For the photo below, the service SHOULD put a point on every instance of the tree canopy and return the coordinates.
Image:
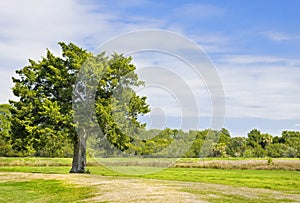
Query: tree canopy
(42, 119)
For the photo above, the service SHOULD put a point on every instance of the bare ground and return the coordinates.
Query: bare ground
(116, 189)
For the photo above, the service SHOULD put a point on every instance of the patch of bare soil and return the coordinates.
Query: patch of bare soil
(116, 189)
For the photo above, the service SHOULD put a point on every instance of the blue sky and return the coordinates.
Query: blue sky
(255, 46)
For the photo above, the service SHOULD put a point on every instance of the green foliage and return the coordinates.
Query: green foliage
(270, 161)
(210, 143)
(54, 91)
(292, 139)
(236, 147)
(5, 127)
(42, 118)
(277, 150)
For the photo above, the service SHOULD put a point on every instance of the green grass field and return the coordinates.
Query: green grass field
(42, 191)
(284, 182)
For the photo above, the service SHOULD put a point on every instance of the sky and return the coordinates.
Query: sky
(253, 45)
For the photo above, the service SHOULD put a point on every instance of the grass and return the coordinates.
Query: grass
(267, 179)
(216, 163)
(245, 164)
(37, 169)
(220, 197)
(34, 161)
(275, 180)
(22, 187)
(282, 181)
(42, 191)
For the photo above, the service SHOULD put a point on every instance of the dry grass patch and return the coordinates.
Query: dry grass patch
(277, 164)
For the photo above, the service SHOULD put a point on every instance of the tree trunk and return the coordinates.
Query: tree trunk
(79, 154)
(82, 158)
(75, 162)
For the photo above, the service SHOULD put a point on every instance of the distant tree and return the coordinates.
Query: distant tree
(159, 142)
(265, 140)
(236, 147)
(253, 137)
(258, 141)
(195, 149)
(278, 139)
(292, 139)
(5, 137)
(277, 150)
(224, 136)
(219, 150)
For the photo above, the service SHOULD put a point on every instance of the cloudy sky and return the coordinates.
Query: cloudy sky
(254, 46)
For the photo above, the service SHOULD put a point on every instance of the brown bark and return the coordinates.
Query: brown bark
(79, 154)
(75, 162)
(82, 158)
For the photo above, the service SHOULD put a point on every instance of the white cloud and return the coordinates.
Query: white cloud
(243, 60)
(277, 36)
(29, 27)
(196, 11)
(173, 80)
(213, 42)
(280, 36)
(266, 88)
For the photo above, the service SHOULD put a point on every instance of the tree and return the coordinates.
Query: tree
(43, 118)
(43, 113)
(292, 139)
(253, 137)
(277, 150)
(256, 137)
(236, 147)
(265, 140)
(224, 136)
(5, 139)
(219, 150)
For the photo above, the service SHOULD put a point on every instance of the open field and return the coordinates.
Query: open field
(275, 179)
(46, 180)
(32, 187)
(215, 163)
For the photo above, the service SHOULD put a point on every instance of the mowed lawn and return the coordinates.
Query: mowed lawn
(41, 190)
(213, 185)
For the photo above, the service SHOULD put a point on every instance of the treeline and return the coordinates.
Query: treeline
(155, 143)
(213, 143)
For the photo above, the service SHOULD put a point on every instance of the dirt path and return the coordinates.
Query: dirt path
(116, 189)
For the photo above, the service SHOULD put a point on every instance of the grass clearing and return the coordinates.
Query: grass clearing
(267, 179)
(37, 169)
(167, 185)
(126, 189)
(275, 180)
(42, 191)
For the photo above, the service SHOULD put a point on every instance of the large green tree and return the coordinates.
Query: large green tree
(50, 89)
